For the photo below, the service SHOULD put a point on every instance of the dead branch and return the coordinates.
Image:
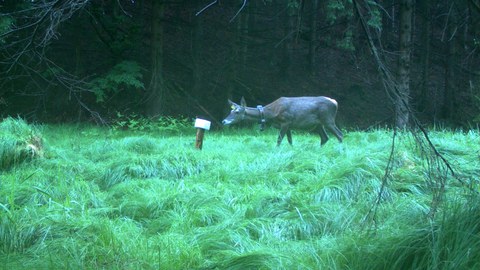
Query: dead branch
(239, 10)
(206, 7)
(216, 1)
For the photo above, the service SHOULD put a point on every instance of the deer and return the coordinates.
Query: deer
(313, 114)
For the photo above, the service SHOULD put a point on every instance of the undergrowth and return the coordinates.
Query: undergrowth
(111, 199)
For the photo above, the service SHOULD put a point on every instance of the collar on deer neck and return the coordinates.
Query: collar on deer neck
(262, 117)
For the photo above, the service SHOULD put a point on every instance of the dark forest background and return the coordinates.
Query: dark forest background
(91, 60)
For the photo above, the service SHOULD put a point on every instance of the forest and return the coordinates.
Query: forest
(100, 167)
(98, 61)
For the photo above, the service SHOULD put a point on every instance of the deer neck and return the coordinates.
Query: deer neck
(256, 114)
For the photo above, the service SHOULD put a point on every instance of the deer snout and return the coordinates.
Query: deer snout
(226, 122)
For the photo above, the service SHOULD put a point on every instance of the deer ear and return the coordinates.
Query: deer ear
(243, 103)
(232, 104)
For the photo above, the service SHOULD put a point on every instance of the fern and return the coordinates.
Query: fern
(122, 77)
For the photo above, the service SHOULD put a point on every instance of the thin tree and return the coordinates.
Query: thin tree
(156, 99)
(405, 48)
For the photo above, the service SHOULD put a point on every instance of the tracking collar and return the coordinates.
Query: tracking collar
(262, 117)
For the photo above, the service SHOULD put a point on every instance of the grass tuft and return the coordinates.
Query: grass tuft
(18, 142)
(18, 231)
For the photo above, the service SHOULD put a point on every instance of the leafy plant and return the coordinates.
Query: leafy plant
(135, 122)
(347, 42)
(374, 16)
(338, 9)
(125, 76)
(5, 24)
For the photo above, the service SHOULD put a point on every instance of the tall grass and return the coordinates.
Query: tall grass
(18, 142)
(453, 242)
(112, 199)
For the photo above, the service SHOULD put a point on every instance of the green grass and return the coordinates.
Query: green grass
(18, 142)
(100, 198)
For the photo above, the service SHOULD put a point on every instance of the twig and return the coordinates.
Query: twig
(238, 12)
(123, 10)
(373, 211)
(207, 6)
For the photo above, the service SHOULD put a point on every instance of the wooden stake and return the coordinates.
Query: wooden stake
(199, 139)
(201, 126)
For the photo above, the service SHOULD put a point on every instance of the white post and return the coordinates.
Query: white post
(201, 126)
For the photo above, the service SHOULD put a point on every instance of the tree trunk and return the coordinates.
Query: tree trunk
(313, 37)
(450, 89)
(287, 40)
(405, 42)
(197, 47)
(156, 100)
(244, 32)
(425, 20)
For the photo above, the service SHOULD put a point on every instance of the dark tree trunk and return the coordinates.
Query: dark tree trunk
(197, 47)
(157, 93)
(405, 47)
(244, 28)
(313, 37)
(450, 88)
(287, 40)
(425, 22)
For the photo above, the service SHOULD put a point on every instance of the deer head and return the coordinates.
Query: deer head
(237, 113)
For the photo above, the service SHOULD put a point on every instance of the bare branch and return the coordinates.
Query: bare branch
(123, 10)
(238, 12)
(207, 6)
(24, 49)
(216, 1)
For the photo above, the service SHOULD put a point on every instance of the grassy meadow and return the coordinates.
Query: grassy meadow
(84, 197)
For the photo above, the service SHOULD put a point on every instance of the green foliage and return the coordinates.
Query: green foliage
(136, 122)
(338, 9)
(114, 199)
(343, 10)
(18, 142)
(347, 42)
(125, 76)
(18, 230)
(451, 243)
(293, 6)
(374, 16)
(5, 25)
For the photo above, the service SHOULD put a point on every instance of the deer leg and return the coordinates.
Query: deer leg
(323, 135)
(289, 136)
(280, 138)
(336, 131)
(283, 130)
